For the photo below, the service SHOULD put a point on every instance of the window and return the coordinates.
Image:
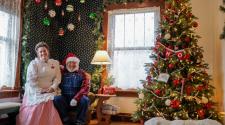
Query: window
(9, 41)
(130, 36)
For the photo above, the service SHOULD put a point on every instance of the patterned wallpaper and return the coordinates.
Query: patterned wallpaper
(81, 41)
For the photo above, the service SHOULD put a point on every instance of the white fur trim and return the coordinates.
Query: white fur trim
(72, 59)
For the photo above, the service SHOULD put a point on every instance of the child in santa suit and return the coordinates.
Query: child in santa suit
(75, 87)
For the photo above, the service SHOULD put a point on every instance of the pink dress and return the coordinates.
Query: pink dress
(38, 108)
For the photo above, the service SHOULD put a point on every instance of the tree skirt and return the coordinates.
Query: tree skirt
(161, 121)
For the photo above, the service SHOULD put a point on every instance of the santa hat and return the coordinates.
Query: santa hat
(70, 57)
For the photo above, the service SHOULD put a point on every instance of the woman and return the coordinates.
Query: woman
(43, 78)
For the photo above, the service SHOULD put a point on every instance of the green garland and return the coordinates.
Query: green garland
(222, 8)
(25, 53)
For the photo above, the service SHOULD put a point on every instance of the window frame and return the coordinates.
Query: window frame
(8, 93)
(133, 5)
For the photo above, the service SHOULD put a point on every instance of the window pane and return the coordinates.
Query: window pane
(139, 30)
(149, 29)
(2, 65)
(119, 31)
(4, 18)
(129, 30)
(128, 68)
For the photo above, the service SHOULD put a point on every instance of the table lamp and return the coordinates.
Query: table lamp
(101, 58)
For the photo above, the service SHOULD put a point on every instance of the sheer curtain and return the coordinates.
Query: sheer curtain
(10, 11)
(131, 34)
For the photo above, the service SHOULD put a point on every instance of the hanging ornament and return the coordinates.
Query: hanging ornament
(62, 13)
(200, 88)
(187, 39)
(201, 113)
(58, 2)
(167, 36)
(51, 13)
(70, 27)
(82, 1)
(61, 32)
(79, 18)
(204, 100)
(171, 65)
(46, 5)
(175, 104)
(168, 102)
(92, 15)
(69, 8)
(195, 24)
(46, 21)
(157, 92)
(37, 1)
(176, 82)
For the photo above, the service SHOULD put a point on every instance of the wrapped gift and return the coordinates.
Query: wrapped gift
(110, 109)
(109, 90)
(161, 121)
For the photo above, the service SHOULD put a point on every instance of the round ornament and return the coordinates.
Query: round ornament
(46, 21)
(167, 36)
(58, 2)
(92, 15)
(168, 102)
(61, 32)
(70, 8)
(51, 13)
(37, 1)
(82, 1)
(70, 27)
(205, 100)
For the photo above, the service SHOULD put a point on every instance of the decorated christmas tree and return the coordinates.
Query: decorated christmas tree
(177, 85)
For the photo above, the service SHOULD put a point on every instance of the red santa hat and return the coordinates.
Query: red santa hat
(70, 57)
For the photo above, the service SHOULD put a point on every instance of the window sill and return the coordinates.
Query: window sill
(9, 93)
(126, 93)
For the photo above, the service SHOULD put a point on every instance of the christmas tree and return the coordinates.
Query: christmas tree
(177, 84)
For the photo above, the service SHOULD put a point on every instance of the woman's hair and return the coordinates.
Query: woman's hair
(41, 44)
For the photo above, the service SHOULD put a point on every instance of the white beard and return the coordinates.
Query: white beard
(72, 70)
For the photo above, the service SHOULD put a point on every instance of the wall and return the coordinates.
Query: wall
(81, 41)
(211, 24)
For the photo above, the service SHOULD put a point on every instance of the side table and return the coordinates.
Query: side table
(103, 119)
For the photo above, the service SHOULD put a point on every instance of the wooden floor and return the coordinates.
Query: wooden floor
(94, 122)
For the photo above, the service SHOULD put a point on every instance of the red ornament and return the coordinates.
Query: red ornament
(187, 39)
(201, 113)
(176, 82)
(61, 32)
(187, 56)
(148, 78)
(200, 87)
(58, 2)
(168, 5)
(189, 15)
(175, 104)
(157, 92)
(195, 24)
(37, 1)
(189, 89)
(171, 65)
(208, 106)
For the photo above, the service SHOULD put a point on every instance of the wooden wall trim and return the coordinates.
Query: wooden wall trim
(18, 71)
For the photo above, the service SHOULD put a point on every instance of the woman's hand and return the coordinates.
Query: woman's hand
(49, 90)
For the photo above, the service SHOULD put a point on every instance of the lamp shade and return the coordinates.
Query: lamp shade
(101, 57)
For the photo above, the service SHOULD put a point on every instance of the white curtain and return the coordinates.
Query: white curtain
(130, 36)
(10, 11)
